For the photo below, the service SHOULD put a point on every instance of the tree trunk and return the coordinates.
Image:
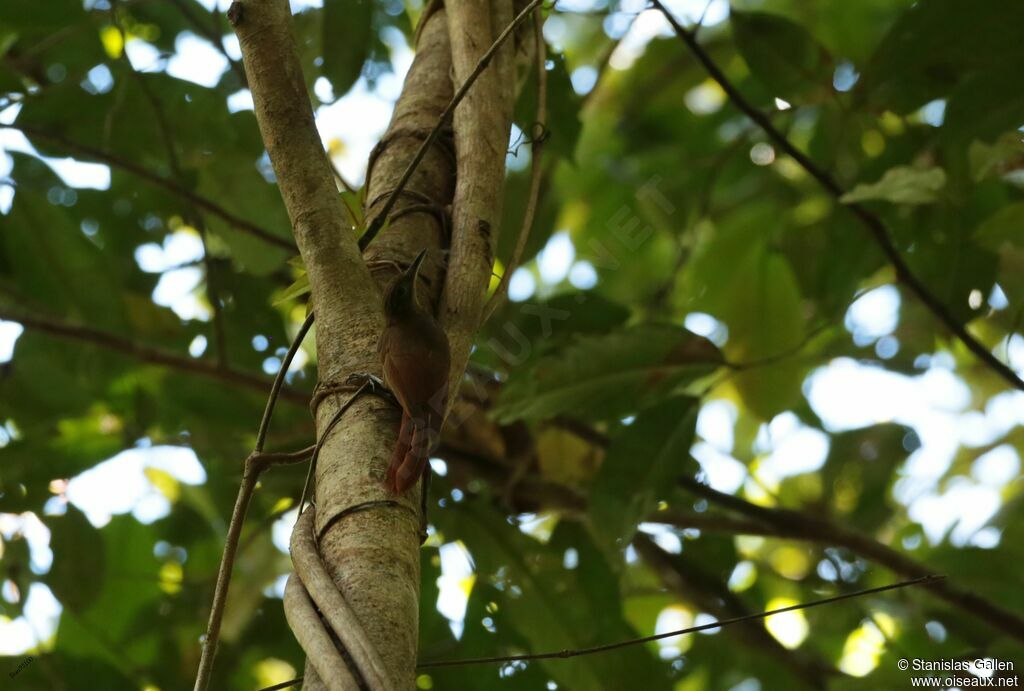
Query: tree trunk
(369, 544)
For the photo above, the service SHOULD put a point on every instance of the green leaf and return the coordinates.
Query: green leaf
(563, 108)
(1004, 226)
(1005, 155)
(33, 15)
(1003, 234)
(767, 323)
(608, 376)
(985, 104)
(901, 185)
(57, 266)
(348, 34)
(297, 289)
(553, 607)
(79, 566)
(934, 44)
(525, 331)
(782, 55)
(639, 468)
(126, 585)
(859, 470)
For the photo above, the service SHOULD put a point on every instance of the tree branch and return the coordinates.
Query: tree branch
(876, 227)
(193, 216)
(147, 353)
(304, 621)
(345, 297)
(482, 124)
(149, 176)
(212, 34)
(255, 464)
(533, 495)
(372, 556)
(379, 219)
(539, 134)
(336, 610)
(801, 525)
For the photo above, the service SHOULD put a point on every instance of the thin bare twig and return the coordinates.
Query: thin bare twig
(213, 35)
(311, 473)
(379, 220)
(146, 353)
(800, 525)
(255, 464)
(171, 186)
(679, 632)
(195, 218)
(284, 684)
(875, 225)
(536, 167)
(268, 412)
(689, 579)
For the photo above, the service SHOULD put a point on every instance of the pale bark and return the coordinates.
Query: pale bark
(372, 555)
(482, 122)
(348, 304)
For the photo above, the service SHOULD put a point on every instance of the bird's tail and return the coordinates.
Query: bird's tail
(409, 460)
(398, 455)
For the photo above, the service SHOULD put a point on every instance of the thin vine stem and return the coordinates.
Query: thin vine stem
(594, 650)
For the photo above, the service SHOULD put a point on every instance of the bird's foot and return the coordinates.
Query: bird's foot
(372, 382)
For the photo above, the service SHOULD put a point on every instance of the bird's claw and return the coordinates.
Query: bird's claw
(370, 380)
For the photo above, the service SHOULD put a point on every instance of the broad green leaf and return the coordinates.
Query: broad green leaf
(348, 34)
(1003, 156)
(1002, 227)
(986, 103)
(128, 586)
(237, 179)
(901, 185)
(551, 606)
(608, 376)
(521, 332)
(639, 469)
(859, 470)
(297, 289)
(79, 571)
(1003, 233)
(767, 325)
(783, 55)
(563, 108)
(33, 15)
(57, 267)
(934, 44)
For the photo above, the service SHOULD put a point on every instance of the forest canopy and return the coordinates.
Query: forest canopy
(762, 346)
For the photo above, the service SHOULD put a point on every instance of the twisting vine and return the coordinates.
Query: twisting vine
(537, 137)
(297, 599)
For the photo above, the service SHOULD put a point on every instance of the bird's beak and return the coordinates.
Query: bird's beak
(414, 268)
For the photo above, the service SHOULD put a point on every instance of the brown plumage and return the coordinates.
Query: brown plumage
(414, 353)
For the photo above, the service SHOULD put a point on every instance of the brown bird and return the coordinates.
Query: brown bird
(414, 353)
